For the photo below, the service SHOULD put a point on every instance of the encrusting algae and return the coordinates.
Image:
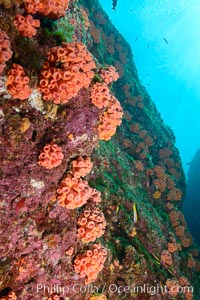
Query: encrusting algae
(91, 180)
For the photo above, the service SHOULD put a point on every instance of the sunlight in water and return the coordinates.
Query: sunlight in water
(180, 32)
(165, 38)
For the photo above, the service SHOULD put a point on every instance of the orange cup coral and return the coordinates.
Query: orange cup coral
(174, 217)
(60, 84)
(157, 195)
(109, 120)
(17, 83)
(95, 196)
(186, 287)
(5, 51)
(89, 265)
(172, 247)
(173, 287)
(69, 251)
(73, 192)
(166, 258)
(81, 167)
(53, 9)
(51, 156)
(26, 25)
(100, 95)
(139, 165)
(174, 195)
(109, 75)
(92, 224)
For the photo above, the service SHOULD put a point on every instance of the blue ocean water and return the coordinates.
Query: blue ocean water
(165, 39)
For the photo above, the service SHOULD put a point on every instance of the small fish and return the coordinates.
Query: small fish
(156, 258)
(117, 209)
(135, 215)
(20, 205)
(171, 272)
(114, 4)
(166, 41)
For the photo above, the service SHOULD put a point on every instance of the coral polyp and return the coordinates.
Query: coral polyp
(91, 182)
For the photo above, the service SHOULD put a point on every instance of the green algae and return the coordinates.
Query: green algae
(61, 30)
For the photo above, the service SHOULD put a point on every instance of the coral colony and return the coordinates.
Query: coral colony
(67, 69)
(68, 191)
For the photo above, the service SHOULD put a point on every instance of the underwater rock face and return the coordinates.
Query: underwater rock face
(136, 182)
(191, 202)
(20, 148)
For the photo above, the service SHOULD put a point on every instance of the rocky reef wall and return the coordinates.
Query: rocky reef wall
(191, 203)
(85, 214)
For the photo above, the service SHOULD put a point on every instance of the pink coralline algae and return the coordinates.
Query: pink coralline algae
(69, 251)
(89, 265)
(95, 196)
(51, 156)
(60, 84)
(52, 9)
(109, 120)
(81, 167)
(73, 192)
(24, 269)
(92, 224)
(54, 297)
(109, 75)
(5, 51)
(17, 83)
(100, 95)
(26, 26)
